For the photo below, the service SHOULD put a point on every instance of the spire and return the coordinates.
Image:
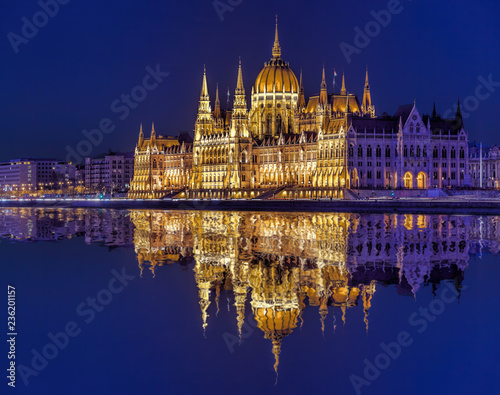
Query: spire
(343, 91)
(204, 86)
(323, 97)
(367, 107)
(240, 89)
(276, 47)
(459, 111)
(217, 112)
(153, 133)
(240, 110)
(434, 113)
(459, 122)
(302, 99)
(141, 137)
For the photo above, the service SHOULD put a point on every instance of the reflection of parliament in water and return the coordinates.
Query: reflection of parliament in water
(279, 261)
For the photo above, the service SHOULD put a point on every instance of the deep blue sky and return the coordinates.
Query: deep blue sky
(66, 77)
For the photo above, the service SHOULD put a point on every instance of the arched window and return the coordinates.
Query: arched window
(360, 151)
(453, 153)
(419, 151)
(369, 151)
(351, 151)
(435, 153)
(425, 152)
(387, 152)
(269, 126)
(405, 154)
(462, 153)
(278, 124)
(378, 152)
(412, 152)
(443, 153)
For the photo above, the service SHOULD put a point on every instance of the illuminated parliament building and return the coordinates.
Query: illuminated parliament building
(287, 146)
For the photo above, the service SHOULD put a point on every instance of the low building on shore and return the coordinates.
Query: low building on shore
(484, 166)
(111, 172)
(28, 175)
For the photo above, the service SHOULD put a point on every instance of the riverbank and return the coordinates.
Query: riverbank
(464, 205)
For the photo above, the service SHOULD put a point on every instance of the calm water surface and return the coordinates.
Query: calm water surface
(158, 302)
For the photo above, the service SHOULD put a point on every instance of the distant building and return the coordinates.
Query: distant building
(485, 173)
(112, 172)
(34, 174)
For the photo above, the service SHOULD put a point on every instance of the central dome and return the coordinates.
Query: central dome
(276, 74)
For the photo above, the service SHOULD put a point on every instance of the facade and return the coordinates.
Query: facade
(485, 167)
(285, 146)
(36, 174)
(113, 172)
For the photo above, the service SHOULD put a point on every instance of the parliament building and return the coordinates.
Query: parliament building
(287, 146)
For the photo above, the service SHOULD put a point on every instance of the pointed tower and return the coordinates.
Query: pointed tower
(323, 96)
(276, 46)
(343, 91)
(240, 142)
(240, 102)
(301, 103)
(459, 122)
(204, 120)
(217, 112)
(434, 112)
(367, 107)
(153, 133)
(141, 138)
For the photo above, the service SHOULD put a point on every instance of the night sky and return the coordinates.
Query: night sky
(65, 78)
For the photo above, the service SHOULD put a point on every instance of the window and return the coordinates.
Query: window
(369, 174)
(378, 152)
(435, 152)
(387, 152)
(379, 175)
(462, 153)
(360, 151)
(453, 153)
(419, 151)
(443, 153)
(435, 175)
(405, 154)
(369, 152)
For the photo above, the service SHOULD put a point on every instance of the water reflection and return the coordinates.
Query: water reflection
(277, 264)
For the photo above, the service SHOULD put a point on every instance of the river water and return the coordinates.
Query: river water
(191, 302)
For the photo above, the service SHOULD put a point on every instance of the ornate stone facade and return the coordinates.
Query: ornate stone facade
(288, 147)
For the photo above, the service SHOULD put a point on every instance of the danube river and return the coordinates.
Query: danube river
(183, 302)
